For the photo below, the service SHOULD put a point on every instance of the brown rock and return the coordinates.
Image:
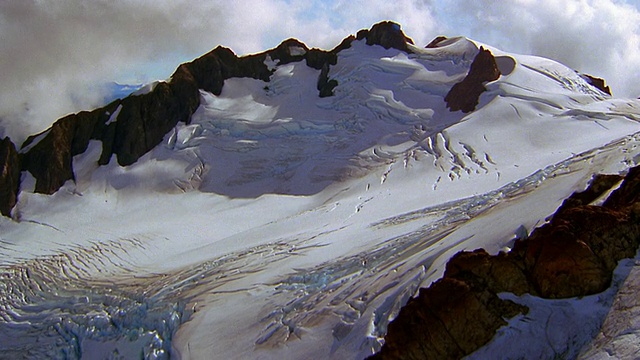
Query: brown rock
(325, 85)
(283, 53)
(386, 34)
(448, 320)
(611, 234)
(211, 70)
(500, 273)
(317, 58)
(597, 187)
(9, 176)
(628, 193)
(560, 265)
(50, 160)
(465, 94)
(597, 82)
(435, 42)
(145, 119)
(572, 255)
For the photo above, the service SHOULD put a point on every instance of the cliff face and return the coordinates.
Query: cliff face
(386, 34)
(573, 255)
(448, 320)
(9, 176)
(128, 128)
(465, 94)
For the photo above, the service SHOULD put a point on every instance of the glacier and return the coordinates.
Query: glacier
(278, 224)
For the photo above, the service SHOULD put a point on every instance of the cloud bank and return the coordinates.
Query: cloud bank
(57, 54)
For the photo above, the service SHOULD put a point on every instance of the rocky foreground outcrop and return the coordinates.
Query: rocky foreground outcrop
(574, 254)
(466, 94)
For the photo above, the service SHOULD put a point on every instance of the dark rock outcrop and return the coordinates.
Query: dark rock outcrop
(448, 320)
(435, 42)
(9, 176)
(325, 85)
(628, 193)
(465, 94)
(144, 120)
(572, 255)
(49, 155)
(386, 34)
(599, 185)
(211, 70)
(597, 82)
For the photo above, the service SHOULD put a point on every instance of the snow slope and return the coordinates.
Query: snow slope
(283, 225)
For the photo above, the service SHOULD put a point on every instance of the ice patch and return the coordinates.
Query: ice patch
(114, 117)
(146, 88)
(296, 51)
(270, 63)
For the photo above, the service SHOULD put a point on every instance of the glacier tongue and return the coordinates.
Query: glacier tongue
(278, 224)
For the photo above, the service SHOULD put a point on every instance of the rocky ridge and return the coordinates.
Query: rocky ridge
(573, 255)
(130, 127)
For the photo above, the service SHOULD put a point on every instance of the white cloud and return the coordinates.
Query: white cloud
(54, 52)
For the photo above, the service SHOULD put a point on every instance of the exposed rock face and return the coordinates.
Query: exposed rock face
(386, 34)
(435, 42)
(142, 122)
(629, 192)
(465, 94)
(446, 321)
(599, 83)
(326, 85)
(50, 153)
(9, 176)
(145, 119)
(598, 186)
(573, 255)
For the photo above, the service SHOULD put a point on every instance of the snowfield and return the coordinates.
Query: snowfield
(281, 225)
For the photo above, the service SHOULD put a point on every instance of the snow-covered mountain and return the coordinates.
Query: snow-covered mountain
(287, 204)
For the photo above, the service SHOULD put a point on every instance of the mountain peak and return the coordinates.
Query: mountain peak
(387, 34)
(142, 120)
(324, 185)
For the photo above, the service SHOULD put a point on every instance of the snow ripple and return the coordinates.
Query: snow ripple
(371, 286)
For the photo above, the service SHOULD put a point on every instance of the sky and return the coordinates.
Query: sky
(58, 55)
